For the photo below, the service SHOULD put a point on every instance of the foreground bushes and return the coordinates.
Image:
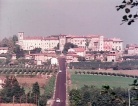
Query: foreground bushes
(106, 96)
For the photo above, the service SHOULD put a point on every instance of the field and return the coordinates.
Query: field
(78, 81)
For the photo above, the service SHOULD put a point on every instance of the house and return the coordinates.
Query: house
(39, 58)
(78, 51)
(89, 56)
(13, 57)
(111, 57)
(71, 57)
(3, 50)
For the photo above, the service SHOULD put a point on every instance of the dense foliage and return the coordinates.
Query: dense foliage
(68, 46)
(106, 96)
(13, 92)
(50, 88)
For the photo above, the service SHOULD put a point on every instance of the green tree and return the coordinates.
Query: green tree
(14, 39)
(36, 50)
(80, 58)
(11, 88)
(18, 51)
(68, 46)
(36, 89)
(87, 42)
(75, 97)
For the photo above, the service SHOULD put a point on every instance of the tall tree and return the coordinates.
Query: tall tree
(11, 88)
(36, 89)
(68, 46)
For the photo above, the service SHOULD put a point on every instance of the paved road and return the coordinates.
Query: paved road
(61, 84)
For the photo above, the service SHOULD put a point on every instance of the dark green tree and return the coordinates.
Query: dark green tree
(87, 42)
(75, 97)
(36, 89)
(18, 51)
(68, 46)
(36, 50)
(14, 39)
(11, 88)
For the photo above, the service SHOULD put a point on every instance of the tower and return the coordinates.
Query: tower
(62, 41)
(101, 43)
(20, 38)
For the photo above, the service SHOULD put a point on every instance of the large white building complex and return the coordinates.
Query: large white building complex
(96, 42)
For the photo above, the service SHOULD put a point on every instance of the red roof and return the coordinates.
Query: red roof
(111, 55)
(3, 48)
(40, 38)
(79, 49)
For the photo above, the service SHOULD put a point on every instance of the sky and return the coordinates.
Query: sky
(76, 17)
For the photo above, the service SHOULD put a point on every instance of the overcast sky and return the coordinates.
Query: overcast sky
(77, 17)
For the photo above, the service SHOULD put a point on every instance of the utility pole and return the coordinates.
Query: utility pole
(129, 96)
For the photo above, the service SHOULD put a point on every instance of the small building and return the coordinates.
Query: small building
(13, 57)
(54, 61)
(71, 57)
(111, 57)
(3, 50)
(78, 51)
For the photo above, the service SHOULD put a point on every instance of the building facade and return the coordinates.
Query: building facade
(95, 42)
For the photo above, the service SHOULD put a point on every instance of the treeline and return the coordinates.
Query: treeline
(12, 92)
(94, 65)
(105, 73)
(105, 96)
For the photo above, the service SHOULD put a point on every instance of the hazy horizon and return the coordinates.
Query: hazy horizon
(76, 17)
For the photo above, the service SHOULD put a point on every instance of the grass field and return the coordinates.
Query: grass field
(99, 80)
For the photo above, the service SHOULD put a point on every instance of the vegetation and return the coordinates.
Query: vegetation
(68, 46)
(125, 65)
(12, 92)
(128, 6)
(36, 50)
(11, 88)
(92, 96)
(50, 88)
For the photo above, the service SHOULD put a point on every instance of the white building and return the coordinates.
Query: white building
(3, 50)
(30, 43)
(96, 42)
(54, 61)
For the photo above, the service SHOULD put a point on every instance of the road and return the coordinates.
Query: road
(60, 91)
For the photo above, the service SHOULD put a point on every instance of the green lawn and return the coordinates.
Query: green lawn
(99, 80)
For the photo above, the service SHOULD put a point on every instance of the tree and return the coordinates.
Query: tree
(80, 58)
(36, 50)
(14, 39)
(68, 46)
(127, 6)
(11, 88)
(18, 51)
(75, 97)
(36, 89)
(87, 42)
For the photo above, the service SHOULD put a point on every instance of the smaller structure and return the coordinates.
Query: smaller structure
(54, 61)
(3, 50)
(78, 51)
(111, 57)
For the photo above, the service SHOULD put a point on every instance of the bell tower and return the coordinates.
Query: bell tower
(62, 41)
(20, 38)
